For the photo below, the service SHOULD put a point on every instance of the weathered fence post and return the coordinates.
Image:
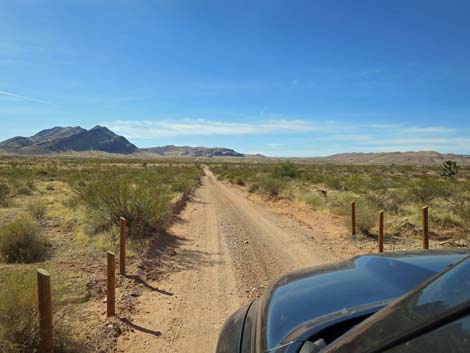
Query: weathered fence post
(45, 311)
(381, 231)
(353, 218)
(122, 246)
(425, 228)
(111, 285)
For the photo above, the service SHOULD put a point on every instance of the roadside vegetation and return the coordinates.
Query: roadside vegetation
(401, 191)
(63, 215)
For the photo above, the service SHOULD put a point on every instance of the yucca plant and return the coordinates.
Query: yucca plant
(449, 169)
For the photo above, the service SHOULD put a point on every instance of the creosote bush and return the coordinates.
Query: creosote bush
(24, 190)
(271, 186)
(4, 194)
(22, 241)
(37, 210)
(366, 217)
(286, 170)
(144, 205)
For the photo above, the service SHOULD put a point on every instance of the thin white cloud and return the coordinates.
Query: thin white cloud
(428, 130)
(194, 127)
(276, 144)
(17, 96)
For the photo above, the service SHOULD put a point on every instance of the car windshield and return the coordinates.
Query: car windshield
(446, 296)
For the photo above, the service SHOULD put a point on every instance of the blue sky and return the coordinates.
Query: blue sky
(282, 78)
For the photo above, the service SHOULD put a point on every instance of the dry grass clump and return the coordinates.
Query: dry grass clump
(24, 190)
(37, 209)
(19, 331)
(19, 322)
(5, 191)
(22, 241)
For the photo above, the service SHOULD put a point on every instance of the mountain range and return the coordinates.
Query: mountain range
(101, 139)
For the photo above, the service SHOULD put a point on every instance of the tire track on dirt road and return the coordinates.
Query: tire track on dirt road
(231, 248)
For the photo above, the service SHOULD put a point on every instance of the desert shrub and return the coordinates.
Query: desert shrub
(144, 205)
(288, 169)
(366, 216)
(19, 321)
(238, 181)
(461, 207)
(24, 190)
(332, 182)
(313, 199)
(30, 184)
(356, 183)
(22, 241)
(270, 185)
(182, 185)
(427, 189)
(445, 218)
(37, 210)
(253, 187)
(340, 202)
(19, 329)
(4, 194)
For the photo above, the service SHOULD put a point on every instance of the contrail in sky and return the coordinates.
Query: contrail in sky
(8, 94)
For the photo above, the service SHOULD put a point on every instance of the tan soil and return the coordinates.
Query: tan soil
(228, 249)
(221, 253)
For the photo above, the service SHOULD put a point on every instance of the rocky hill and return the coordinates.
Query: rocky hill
(68, 139)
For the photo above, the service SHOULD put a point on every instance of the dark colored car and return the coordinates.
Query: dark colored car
(410, 302)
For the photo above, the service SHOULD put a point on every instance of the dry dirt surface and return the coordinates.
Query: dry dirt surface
(229, 249)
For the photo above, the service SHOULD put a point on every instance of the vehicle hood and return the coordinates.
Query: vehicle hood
(300, 297)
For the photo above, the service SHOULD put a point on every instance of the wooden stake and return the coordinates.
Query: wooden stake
(353, 218)
(111, 285)
(381, 231)
(425, 228)
(45, 311)
(122, 246)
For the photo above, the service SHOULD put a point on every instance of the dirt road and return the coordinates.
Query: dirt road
(229, 248)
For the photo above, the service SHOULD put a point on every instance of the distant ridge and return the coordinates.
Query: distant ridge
(101, 139)
(187, 151)
(416, 158)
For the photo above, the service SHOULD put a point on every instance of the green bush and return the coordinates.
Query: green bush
(24, 190)
(427, 189)
(313, 199)
(271, 186)
(253, 187)
(22, 241)
(461, 208)
(37, 210)
(144, 205)
(366, 217)
(4, 194)
(238, 180)
(288, 169)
